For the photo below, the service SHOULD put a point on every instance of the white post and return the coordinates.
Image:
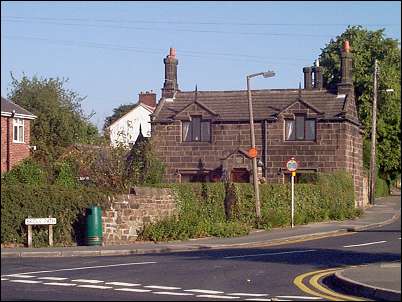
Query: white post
(50, 233)
(293, 197)
(29, 235)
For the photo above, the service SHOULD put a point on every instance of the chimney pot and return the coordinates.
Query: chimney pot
(172, 52)
(346, 46)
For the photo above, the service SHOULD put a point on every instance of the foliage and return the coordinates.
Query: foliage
(118, 168)
(202, 213)
(60, 120)
(65, 175)
(382, 188)
(27, 172)
(66, 205)
(367, 46)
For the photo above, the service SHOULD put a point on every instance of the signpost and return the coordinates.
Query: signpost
(291, 165)
(40, 221)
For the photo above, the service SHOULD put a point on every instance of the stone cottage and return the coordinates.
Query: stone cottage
(204, 135)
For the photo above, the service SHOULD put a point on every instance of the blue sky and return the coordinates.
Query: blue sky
(111, 51)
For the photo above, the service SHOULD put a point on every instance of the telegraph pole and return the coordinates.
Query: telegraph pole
(373, 138)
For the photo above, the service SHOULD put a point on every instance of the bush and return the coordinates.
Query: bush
(382, 188)
(65, 175)
(66, 205)
(202, 213)
(27, 172)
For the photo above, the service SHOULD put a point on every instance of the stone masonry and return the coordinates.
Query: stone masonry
(129, 213)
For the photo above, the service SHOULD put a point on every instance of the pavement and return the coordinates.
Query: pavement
(353, 280)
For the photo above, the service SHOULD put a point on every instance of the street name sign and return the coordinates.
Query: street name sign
(40, 221)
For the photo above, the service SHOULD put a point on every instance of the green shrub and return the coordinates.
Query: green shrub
(381, 187)
(65, 175)
(26, 172)
(66, 205)
(201, 207)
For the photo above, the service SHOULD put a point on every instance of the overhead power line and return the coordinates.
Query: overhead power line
(196, 23)
(184, 53)
(249, 33)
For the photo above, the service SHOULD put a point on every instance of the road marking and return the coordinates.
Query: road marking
(20, 276)
(399, 238)
(88, 281)
(60, 284)
(162, 287)
(300, 297)
(90, 267)
(4, 279)
(314, 282)
(172, 294)
(248, 295)
(122, 284)
(95, 286)
(25, 281)
(258, 299)
(52, 278)
(133, 290)
(203, 291)
(298, 281)
(266, 254)
(217, 297)
(364, 244)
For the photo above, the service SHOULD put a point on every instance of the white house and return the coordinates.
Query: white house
(126, 129)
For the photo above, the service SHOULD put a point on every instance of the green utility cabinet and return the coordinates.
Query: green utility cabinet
(94, 225)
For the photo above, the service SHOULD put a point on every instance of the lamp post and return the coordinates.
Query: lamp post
(373, 173)
(254, 159)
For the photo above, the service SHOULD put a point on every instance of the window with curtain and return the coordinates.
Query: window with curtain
(18, 130)
(196, 130)
(300, 129)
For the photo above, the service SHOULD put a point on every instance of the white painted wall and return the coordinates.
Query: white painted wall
(126, 129)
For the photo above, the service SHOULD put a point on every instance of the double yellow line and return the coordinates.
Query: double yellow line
(318, 289)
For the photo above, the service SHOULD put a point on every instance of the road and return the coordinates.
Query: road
(246, 274)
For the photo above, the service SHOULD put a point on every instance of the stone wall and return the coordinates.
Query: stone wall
(129, 213)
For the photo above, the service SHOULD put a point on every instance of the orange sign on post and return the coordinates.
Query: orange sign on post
(252, 152)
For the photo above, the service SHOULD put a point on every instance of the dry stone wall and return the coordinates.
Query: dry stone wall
(129, 213)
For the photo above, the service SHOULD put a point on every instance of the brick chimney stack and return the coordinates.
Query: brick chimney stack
(346, 83)
(317, 71)
(170, 85)
(308, 81)
(147, 98)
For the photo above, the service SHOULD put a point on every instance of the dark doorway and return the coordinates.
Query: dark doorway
(240, 175)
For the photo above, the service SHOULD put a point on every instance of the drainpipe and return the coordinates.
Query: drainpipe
(265, 146)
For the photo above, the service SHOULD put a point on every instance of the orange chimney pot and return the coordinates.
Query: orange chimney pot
(346, 46)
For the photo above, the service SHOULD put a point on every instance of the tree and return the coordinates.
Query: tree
(60, 120)
(367, 46)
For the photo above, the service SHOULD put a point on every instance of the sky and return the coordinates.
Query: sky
(111, 51)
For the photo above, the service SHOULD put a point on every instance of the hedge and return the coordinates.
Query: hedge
(202, 213)
(67, 205)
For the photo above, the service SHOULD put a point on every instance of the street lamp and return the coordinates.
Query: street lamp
(373, 173)
(266, 74)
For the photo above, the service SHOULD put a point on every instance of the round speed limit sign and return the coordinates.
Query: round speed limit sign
(291, 165)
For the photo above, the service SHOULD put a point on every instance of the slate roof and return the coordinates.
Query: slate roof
(7, 108)
(267, 104)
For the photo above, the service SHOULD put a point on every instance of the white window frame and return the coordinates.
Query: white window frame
(18, 127)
